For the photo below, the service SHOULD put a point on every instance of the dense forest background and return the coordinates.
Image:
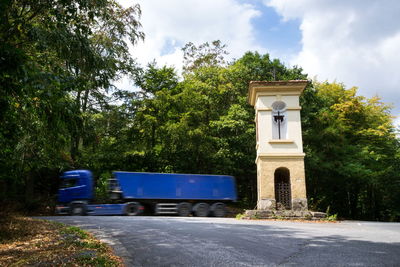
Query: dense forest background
(59, 110)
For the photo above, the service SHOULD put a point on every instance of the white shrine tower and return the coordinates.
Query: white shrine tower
(280, 157)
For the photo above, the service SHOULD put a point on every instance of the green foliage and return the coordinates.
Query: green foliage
(202, 124)
(351, 153)
(57, 60)
(204, 55)
(74, 232)
(101, 188)
(331, 218)
(96, 261)
(240, 216)
(59, 110)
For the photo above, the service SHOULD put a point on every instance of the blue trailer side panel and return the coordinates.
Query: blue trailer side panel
(176, 186)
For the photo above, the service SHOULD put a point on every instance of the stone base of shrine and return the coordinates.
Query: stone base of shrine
(284, 215)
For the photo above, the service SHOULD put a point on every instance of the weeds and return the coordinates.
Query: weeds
(240, 216)
(26, 241)
(331, 218)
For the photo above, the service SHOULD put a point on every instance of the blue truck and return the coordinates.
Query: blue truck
(132, 193)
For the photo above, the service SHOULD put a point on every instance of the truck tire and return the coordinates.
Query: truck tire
(201, 209)
(78, 209)
(132, 209)
(218, 209)
(184, 209)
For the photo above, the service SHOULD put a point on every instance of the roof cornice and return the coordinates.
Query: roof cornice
(292, 87)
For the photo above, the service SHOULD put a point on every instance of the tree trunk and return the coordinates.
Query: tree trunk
(29, 187)
(75, 132)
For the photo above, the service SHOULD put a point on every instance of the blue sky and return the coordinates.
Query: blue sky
(354, 42)
(283, 38)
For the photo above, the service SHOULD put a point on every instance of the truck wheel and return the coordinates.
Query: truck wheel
(184, 209)
(78, 209)
(201, 209)
(132, 209)
(218, 209)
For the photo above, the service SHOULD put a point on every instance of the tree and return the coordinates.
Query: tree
(204, 55)
(57, 59)
(351, 152)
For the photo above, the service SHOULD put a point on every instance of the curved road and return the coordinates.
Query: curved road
(192, 241)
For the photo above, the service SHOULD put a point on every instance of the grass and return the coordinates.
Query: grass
(331, 218)
(239, 216)
(26, 241)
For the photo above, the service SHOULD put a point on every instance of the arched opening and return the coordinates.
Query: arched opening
(283, 194)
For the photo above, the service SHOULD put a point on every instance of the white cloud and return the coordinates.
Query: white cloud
(169, 25)
(355, 42)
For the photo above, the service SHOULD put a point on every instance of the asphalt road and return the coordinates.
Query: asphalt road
(176, 241)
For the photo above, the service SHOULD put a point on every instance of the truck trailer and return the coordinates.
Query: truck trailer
(132, 193)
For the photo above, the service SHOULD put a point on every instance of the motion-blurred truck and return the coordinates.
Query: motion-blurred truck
(131, 193)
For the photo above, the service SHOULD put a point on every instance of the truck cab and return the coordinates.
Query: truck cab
(76, 186)
(76, 192)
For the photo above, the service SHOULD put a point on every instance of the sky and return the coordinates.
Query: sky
(355, 42)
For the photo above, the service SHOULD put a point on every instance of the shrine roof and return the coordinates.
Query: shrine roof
(291, 87)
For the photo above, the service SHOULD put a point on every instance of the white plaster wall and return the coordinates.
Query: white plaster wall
(265, 126)
(265, 101)
(294, 128)
(264, 129)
